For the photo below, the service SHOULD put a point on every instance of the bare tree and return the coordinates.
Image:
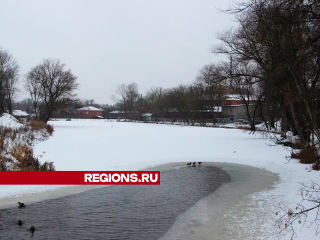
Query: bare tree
(213, 88)
(310, 196)
(180, 102)
(9, 77)
(155, 98)
(133, 97)
(51, 87)
(34, 90)
(243, 78)
(127, 98)
(282, 38)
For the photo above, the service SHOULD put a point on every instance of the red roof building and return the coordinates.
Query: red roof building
(90, 112)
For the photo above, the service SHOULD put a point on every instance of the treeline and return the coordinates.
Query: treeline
(198, 101)
(273, 67)
(275, 52)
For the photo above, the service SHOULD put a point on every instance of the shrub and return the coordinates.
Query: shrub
(39, 125)
(26, 160)
(47, 166)
(3, 166)
(243, 127)
(316, 166)
(306, 155)
(298, 145)
(24, 156)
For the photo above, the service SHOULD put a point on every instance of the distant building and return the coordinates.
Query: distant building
(232, 99)
(146, 117)
(117, 114)
(90, 112)
(124, 115)
(20, 114)
(234, 109)
(236, 99)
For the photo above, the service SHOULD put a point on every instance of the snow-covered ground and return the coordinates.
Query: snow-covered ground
(6, 120)
(103, 145)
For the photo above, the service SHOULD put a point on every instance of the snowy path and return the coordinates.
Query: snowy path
(93, 145)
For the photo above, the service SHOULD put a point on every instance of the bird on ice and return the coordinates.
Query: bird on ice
(21, 205)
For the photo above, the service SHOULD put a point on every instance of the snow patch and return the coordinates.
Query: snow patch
(6, 120)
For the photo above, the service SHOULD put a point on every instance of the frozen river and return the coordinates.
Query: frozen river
(248, 202)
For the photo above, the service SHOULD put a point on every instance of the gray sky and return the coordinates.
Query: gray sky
(109, 42)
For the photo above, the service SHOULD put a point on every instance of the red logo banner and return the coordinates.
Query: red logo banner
(79, 178)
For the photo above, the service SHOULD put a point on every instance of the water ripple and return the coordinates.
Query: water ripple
(116, 212)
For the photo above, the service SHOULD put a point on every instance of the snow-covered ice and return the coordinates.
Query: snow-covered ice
(102, 145)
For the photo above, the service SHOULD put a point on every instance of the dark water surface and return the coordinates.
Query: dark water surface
(116, 212)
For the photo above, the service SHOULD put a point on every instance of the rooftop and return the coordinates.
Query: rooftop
(89, 108)
(115, 112)
(19, 113)
(147, 115)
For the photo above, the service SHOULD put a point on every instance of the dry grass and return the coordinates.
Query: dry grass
(316, 166)
(298, 145)
(306, 155)
(18, 143)
(24, 156)
(27, 162)
(39, 125)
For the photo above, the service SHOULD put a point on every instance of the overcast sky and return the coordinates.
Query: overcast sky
(109, 42)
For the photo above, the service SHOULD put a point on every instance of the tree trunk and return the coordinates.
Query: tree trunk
(296, 121)
(250, 119)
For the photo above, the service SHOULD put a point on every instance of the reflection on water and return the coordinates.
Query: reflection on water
(116, 212)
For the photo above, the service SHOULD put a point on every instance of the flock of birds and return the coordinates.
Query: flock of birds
(32, 229)
(193, 164)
